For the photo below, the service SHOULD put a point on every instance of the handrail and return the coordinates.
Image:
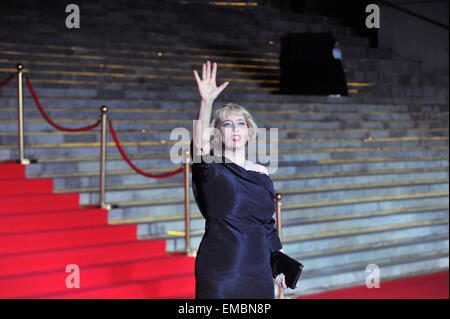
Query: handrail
(412, 13)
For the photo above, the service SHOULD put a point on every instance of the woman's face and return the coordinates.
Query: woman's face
(234, 131)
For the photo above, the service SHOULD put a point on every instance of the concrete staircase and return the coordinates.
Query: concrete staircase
(364, 178)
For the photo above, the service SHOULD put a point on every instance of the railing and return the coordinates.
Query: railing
(103, 121)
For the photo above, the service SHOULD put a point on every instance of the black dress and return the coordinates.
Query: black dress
(233, 259)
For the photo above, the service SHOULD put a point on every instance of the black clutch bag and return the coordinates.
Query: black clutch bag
(291, 268)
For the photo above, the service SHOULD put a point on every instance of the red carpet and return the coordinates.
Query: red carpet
(432, 286)
(41, 233)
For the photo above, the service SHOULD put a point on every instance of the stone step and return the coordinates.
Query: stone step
(373, 93)
(157, 154)
(166, 9)
(180, 19)
(316, 154)
(158, 82)
(88, 97)
(359, 253)
(163, 67)
(160, 67)
(156, 55)
(41, 137)
(400, 78)
(265, 53)
(339, 149)
(159, 214)
(118, 171)
(162, 33)
(176, 25)
(291, 229)
(376, 247)
(40, 123)
(354, 254)
(84, 79)
(162, 71)
(363, 138)
(57, 48)
(355, 274)
(355, 66)
(163, 218)
(176, 59)
(411, 76)
(407, 90)
(312, 242)
(137, 101)
(32, 112)
(190, 92)
(160, 224)
(289, 184)
(441, 93)
(369, 190)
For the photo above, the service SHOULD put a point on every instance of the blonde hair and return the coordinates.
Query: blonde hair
(221, 114)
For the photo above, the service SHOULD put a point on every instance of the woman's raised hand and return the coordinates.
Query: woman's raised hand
(207, 85)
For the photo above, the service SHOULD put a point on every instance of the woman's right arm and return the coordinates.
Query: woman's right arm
(208, 93)
(202, 123)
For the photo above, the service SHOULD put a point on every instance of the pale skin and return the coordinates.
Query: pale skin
(234, 128)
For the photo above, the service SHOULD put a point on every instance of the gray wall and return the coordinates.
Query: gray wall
(414, 38)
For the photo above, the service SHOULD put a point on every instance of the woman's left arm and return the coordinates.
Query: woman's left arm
(275, 245)
(272, 233)
(280, 279)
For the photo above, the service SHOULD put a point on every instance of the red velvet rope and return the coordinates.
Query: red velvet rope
(87, 128)
(6, 81)
(91, 127)
(113, 133)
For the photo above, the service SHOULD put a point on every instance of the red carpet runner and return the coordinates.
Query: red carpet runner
(42, 233)
(433, 286)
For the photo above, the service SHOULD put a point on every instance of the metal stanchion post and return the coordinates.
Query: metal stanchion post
(187, 205)
(104, 115)
(278, 221)
(22, 159)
